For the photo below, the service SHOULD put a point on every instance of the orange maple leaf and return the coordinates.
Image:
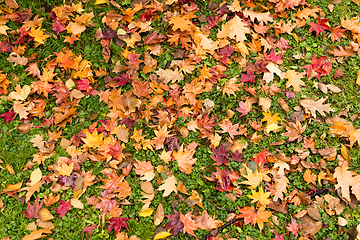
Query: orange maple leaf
(182, 22)
(250, 216)
(38, 35)
(185, 159)
(189, 224)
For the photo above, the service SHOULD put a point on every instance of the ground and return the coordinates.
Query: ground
(179, 119)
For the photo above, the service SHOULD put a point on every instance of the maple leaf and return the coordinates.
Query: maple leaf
(234, 29)
(248, 77)
(8, 116)
(117, 223)
(169, 185)
(224, 179)
(175, 224)
(294, 80)
(319, 26)
(337, 33)
(38, 35)
(231, 87)
(294, 131)
(185, 159)
(279, 237)
(270, 119)
(313, 106)
(32, 211)
(261, 197)
(228, 127)
(221, 155)
(63, 208)
(189, 224)
(93, 139)
(319, 65)
(89, 229)
(261, 156)
(244, 107)
(57, 27)
(250, 216)
(309, 177)
(253, 178)
(33, 69)
(293, 227)
(345, 180)
(182, 22)
(236, 156)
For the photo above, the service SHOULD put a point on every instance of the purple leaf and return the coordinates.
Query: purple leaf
(174, 223)
(221, 155)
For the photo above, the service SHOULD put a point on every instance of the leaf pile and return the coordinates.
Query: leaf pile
(190, 88)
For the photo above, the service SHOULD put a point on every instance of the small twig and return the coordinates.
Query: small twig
(321, 191)
(221, 228)
(225, 209)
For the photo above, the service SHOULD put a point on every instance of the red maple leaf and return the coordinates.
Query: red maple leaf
(273, 57)
(32, 211)
(8, 116)
(57, 27)
(293, 227)
(261, 157)
(174, 223)
(319, 26)
(244, 108)
(221, 155)
(122, 79)
(63, 208)
(84, 84)
(147, 16)
(337, 33)
(319, 65)
(116, 223)
(279, 237)
(154, 38)
(248, 77)
(6, 46)
(226, 52)
(89, 229)
(222, 180)
(236, 156)
(206, 123)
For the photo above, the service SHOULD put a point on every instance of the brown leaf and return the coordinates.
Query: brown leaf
(17, 59)
(313, 106)
(309, 226)
(159, 215)
(342, 52)
(283, 104)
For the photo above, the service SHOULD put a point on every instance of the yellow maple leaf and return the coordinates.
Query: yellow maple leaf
(270, 119)
(38, 35)
(65, 170)
(94, 139)
(253, 178)
(261, 197)
(234, 29)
